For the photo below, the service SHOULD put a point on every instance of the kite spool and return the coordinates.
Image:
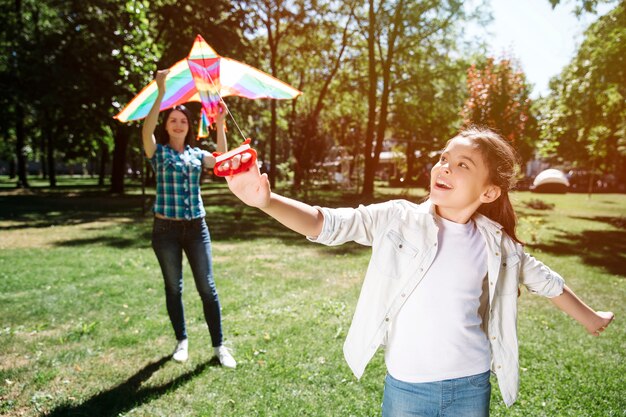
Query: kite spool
(221, 158)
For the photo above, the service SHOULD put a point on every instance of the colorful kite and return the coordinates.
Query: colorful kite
(206, 77)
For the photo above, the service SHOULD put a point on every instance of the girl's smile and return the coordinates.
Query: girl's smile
(440, 183)
(460, 181)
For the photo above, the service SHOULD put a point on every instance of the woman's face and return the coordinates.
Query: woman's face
(177, 125)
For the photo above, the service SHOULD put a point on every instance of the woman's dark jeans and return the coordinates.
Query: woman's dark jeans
(169, 239)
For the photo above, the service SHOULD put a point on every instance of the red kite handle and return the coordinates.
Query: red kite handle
(220, 158)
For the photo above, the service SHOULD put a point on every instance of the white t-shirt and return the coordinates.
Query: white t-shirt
(437, 334)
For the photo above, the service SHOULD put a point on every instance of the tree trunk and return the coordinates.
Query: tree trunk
(297, 176)
(22, 175)
(369, 168)
(104, 157)
(410, 158)
(52, 175)
(121, 137)
(150, 177)
(12, 168)
(371, 160)
(42, 158)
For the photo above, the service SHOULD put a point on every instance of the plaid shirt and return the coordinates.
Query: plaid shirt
(178, 182)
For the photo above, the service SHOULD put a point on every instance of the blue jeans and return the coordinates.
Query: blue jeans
(169, 239)
(463, 397)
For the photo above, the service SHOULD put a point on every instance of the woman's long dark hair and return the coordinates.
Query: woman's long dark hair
(502, 162)
(161, 134)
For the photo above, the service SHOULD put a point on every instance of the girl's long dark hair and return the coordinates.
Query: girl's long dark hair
(161, 134)
(502, 162)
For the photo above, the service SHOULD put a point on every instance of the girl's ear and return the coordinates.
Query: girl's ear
(490, 194)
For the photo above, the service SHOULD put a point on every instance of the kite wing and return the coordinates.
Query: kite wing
(239, 79)
(216, 77)
(180, 89)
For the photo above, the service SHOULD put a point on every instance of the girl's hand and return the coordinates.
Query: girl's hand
(604, 318)
(160, 79)
(250, 186)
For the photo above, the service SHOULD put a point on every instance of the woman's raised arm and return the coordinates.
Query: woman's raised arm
(150, 123)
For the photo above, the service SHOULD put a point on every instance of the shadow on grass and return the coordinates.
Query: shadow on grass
(601, 248)
(227, 217)
(45, 210)
(616, 221)
(129, 394)
(522, 213)
(140, 241)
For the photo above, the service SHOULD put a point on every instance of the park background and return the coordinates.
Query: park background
(83, 328)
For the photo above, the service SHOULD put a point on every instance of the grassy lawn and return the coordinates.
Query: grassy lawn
(84, 331)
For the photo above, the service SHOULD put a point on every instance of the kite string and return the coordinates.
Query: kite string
(226, 106)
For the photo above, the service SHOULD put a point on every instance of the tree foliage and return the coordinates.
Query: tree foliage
(370, 70)
(396, 29)
(584, 118)
(274, 24)
(584, 6)
(498, 97)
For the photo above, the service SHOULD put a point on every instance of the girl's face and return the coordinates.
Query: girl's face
(459, 182)
(177, 125)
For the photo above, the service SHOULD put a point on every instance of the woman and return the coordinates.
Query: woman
(179, 223)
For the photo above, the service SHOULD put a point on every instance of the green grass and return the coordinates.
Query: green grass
(84, 332)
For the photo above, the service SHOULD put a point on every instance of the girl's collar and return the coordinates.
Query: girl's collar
(481, 220)
(485, 222)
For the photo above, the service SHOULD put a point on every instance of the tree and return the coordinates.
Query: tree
(395, 27)
(584, 119)
(67, 59)
(164, 28)
(426, 110)
(499, 99)
(14, 63)
(320, 49)
(275, 21)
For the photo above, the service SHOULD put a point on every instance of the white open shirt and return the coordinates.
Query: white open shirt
(403, 237)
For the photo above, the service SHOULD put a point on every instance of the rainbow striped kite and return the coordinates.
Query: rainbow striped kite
(204, 77)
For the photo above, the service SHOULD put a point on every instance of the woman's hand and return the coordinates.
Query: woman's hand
(160, 79)
(250, 186)
(220, 126)
(221, 113)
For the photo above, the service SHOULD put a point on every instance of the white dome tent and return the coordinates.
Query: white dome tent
(550, 181)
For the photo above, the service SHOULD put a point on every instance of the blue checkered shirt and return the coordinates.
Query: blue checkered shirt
(178, 182)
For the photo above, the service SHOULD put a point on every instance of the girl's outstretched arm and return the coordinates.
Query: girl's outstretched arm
(149, 124)
(594, 321)
(254, 189)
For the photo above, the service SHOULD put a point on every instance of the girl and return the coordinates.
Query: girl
(179, 223)
(441, 288)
